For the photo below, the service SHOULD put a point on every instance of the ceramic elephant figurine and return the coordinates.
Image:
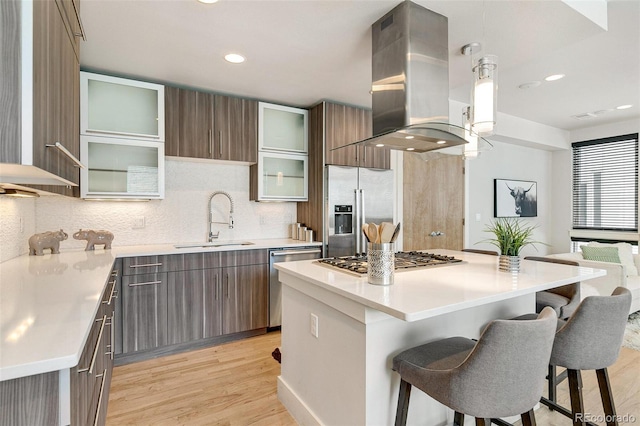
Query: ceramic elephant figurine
(94, 237)
(46, 240)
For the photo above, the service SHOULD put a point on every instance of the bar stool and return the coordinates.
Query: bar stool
(500, 375)
(489, 252)
(589, 340)
(565, 299)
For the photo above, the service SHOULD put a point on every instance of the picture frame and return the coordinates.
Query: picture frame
(515, 198)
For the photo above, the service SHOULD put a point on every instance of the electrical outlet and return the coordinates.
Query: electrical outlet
(314, 325)
(138, 222)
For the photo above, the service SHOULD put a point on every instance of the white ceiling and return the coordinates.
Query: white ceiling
(300, 52)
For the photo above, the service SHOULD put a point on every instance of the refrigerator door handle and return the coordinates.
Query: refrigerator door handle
(358, 224)
(362, 219)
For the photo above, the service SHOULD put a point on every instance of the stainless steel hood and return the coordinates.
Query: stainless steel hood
(410, 89)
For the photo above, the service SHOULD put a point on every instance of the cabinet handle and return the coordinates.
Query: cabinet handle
(145, 265)
(114, 273)
(96, 422)
(220, 143)
(112, 337)
(113, 289)
(217, 287)
(66, 152)
(81, 33)
(210, 142)
(147, 283)
(227, 286)
(95, 351)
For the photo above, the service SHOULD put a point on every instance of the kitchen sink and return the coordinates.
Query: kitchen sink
(214, 244)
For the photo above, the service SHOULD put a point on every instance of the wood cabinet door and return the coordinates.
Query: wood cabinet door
(236, 126)
(245, 298)
(56, 93)
(144, 311)
(340, 129)
(194, 305)
(189, 125)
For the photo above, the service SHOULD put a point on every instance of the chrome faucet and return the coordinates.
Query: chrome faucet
(213, 236)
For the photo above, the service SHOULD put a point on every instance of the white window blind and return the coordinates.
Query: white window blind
(605, 184)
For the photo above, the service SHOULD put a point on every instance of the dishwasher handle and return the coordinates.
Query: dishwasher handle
(290, 252)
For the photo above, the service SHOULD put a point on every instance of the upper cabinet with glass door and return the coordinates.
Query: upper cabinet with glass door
(282, 128)
(122, 108)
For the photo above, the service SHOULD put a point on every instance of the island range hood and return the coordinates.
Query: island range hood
(410, 89)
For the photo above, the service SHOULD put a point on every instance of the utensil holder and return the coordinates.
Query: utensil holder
(381, 263)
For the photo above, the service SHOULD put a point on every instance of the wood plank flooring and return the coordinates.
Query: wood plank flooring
(235, 384)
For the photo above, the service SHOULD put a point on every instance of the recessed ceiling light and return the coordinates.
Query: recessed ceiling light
(380, 145)
(624, 107)
(234, 58)
(408, 137)
(410, 149)
(441, 142)
(529, 85)
(208, 1)
(554, 77)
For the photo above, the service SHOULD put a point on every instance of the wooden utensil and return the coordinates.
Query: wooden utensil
(365, 231)
(394, 237)
(386, 232)
(373, 233)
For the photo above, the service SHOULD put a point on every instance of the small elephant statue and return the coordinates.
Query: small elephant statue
(94, 237)
(46, 240)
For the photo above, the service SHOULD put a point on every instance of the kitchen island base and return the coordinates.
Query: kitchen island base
(344, 375)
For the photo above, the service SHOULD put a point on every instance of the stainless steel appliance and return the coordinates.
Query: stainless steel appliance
(405, 260)
(355, 195)
(275, 286)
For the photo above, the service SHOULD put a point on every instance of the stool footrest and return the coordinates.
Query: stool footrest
(562, 410)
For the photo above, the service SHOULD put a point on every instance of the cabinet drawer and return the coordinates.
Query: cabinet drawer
(167, 263)
(243, 257)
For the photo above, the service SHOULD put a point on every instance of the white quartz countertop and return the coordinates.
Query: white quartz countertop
(427, 292)
(48, 303)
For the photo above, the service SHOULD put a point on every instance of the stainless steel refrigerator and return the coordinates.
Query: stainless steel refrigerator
(355, 195)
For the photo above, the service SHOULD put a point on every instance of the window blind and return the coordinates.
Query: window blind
(605, 184)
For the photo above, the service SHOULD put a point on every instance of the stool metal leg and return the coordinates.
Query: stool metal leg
(528, 418)
(458, 419)
(553, 385)
(575, 392)
(403, 403)
(483, 422)
(607, 397)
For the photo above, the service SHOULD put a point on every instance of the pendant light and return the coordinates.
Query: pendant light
(485, 91)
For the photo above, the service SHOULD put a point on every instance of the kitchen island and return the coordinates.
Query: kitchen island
(336, 369)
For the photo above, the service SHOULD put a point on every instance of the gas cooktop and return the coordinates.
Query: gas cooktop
(405, 260)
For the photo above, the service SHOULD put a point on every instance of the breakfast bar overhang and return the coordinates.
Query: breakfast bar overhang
(338, 372)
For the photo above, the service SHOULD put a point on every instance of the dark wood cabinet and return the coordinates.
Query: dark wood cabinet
(144, 312)
(346, 124)
(204, 125)
(186, 298)
(245, 298)
(236, 126)
(52, 85)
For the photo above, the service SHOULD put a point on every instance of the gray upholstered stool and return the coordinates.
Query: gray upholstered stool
(489, 252)
(500, 375)
(565, 299)
(589, 340)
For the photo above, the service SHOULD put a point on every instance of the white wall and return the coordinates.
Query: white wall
(180, 217)
(507, 161)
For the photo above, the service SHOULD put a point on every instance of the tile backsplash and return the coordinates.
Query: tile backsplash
(180, 217)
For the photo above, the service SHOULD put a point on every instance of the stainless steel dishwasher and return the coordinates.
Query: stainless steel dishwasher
(275, 287)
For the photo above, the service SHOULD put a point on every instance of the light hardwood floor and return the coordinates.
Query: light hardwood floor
(235, 384)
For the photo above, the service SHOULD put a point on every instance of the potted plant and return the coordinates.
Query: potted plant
(511, 235)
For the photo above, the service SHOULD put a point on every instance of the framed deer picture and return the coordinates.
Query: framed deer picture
(515, 198)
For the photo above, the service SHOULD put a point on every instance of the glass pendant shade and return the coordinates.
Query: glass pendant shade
(471, 147)
(485, 90)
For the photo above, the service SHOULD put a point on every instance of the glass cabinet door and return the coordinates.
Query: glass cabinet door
(118, 168)
(121, 107)
(282, 177)
(282, 128)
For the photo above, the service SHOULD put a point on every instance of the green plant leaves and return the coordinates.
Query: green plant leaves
(511, 235)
